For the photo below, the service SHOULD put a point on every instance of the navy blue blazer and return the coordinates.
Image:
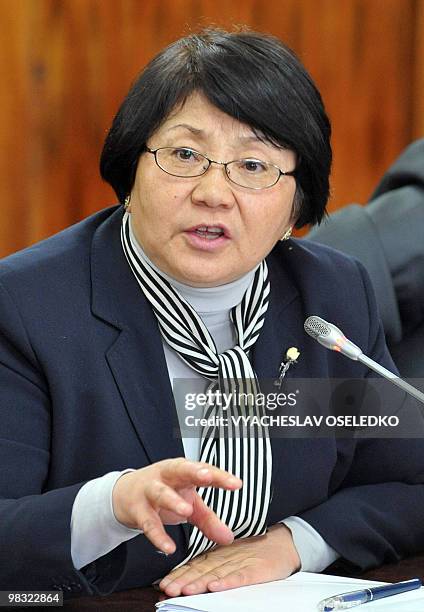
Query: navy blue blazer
(84, 390)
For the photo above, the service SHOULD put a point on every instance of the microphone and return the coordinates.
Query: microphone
(333, 338)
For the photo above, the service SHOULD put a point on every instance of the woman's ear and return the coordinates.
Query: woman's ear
(296, 206)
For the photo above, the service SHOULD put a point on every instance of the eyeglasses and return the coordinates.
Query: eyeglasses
(187, 163)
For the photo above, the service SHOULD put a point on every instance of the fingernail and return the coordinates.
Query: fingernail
(167, 548)
(161, 552)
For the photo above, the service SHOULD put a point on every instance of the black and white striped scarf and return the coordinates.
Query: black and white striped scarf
(240, 449)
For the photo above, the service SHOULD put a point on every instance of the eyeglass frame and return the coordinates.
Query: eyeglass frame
(225, 164)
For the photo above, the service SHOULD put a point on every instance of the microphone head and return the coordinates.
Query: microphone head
(331, 337)
(315, 326)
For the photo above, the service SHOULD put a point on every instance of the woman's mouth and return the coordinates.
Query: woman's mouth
(209, 232)
(207, 237)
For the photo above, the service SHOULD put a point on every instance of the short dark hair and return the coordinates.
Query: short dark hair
(252, 77)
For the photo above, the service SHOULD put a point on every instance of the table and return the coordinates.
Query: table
(144, 599)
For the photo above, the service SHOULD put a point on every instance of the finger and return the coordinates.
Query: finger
(174, 582)
(182, 473)
(197, 577)
(193, 568)
(177, 573)
(154, 531)
(161, 496)
(233, 580)
(200, 585)
(209, 524)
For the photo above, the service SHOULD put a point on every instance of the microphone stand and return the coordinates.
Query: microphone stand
(373, 365)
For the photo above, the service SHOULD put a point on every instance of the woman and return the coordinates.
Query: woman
(220, 147)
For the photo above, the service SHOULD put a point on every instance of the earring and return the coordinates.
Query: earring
(287, 234)
(127, 203)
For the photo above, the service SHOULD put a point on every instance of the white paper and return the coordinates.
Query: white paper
(300, 593)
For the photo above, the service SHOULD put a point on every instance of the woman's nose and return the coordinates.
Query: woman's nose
(213, 188)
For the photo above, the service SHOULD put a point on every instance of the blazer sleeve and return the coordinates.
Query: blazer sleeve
(375, 507)
(35, 551)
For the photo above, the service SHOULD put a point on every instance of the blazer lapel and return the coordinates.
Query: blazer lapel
(281, 329)
(136, 358)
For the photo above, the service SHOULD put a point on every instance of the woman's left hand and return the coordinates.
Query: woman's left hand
(272, 556)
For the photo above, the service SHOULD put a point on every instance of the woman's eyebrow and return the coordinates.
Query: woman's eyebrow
(190, 128)
(202, 133)
(251, 138)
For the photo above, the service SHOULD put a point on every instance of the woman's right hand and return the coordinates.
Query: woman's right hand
(164, 493)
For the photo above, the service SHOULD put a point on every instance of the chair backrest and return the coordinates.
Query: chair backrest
(387, 236)
(352, 231)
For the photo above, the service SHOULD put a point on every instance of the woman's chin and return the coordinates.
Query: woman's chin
(200, 276)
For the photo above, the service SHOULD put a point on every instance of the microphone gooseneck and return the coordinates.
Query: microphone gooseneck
(333, 338)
